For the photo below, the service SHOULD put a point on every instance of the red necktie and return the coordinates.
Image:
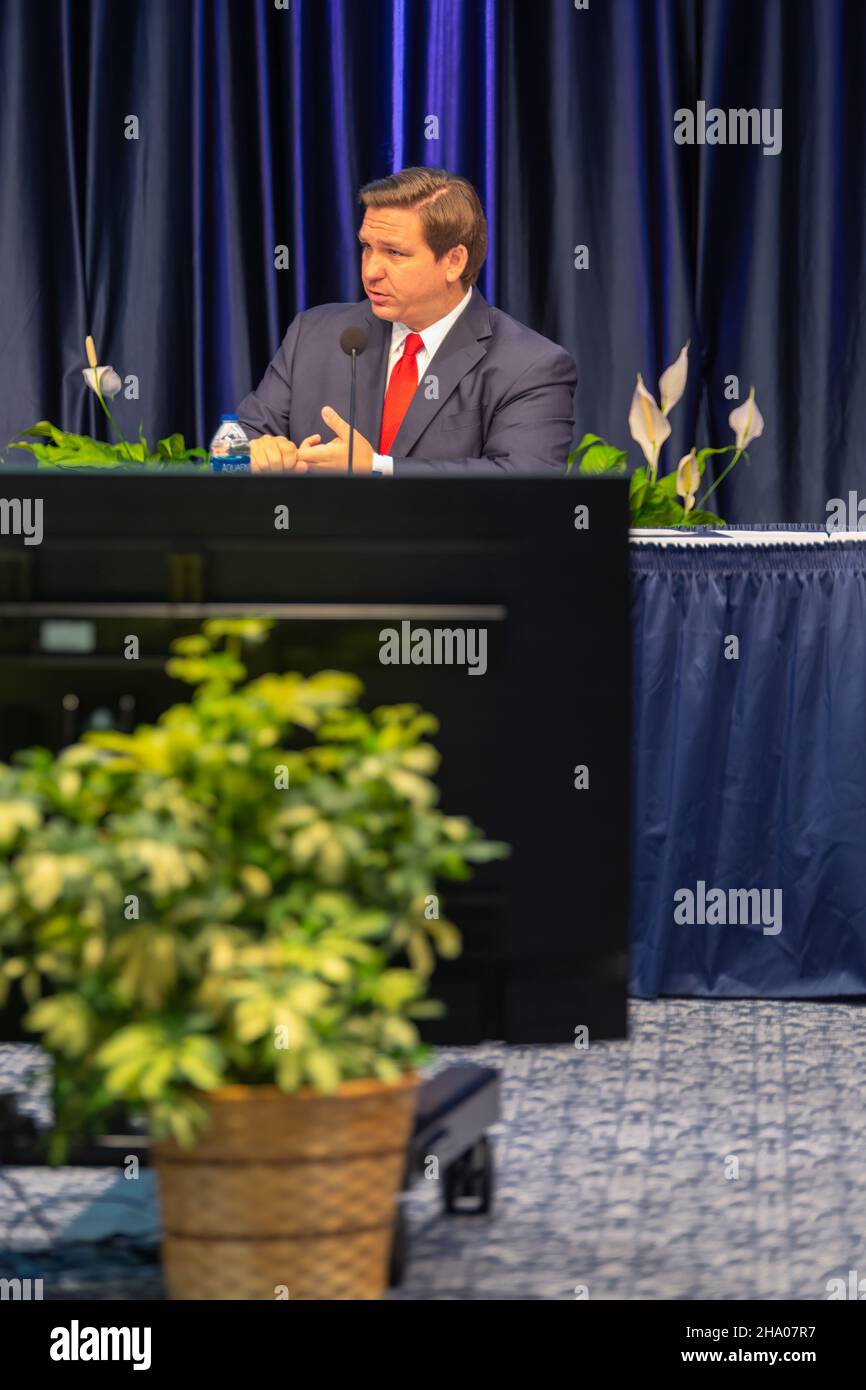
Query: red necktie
(401, 389)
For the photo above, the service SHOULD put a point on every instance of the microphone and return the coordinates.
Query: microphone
(353, 341)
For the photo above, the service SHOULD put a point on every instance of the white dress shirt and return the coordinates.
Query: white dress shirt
(432, 338)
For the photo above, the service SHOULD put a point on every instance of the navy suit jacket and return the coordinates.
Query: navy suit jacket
(496, 398)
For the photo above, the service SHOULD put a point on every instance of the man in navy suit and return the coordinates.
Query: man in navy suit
(447, 383)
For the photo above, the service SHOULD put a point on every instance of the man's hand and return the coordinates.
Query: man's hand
(333, 457)
(273, 453)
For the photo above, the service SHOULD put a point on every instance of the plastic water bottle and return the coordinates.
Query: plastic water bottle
(229, 448)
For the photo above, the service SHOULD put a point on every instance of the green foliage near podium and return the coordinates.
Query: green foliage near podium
(244, 891)
(64, 450)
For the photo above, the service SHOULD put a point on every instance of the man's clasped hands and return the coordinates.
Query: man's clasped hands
(274, 453)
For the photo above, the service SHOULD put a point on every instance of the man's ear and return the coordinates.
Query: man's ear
(457, 259)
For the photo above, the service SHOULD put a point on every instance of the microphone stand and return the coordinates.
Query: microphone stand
(352, 409)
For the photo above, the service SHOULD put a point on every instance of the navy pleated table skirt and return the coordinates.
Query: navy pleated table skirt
(749, 765)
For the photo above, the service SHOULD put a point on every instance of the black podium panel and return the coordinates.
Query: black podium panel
(335, 561)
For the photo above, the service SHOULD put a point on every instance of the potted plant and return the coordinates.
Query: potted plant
(226, 921)
(60, 449)
(672, 500)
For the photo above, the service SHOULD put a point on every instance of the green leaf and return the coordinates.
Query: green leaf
(387, 1069)
(667, 485)
(65, 1022)
(426, 1008)
(598, 456)
(37, 450)
(603, 458)
(171, 447)
(200, 1062)
(657, 509)
(155, 1077)
(45, 427)
(587, 440)
(399, 1033)
(446, 938)
(135, 1041)
(483, 851)
(637, 488)
(396, 988)
(452, 864)
(323, 1069)
(194, 645)
(421, 957)
(289, 1070)
(366, 924)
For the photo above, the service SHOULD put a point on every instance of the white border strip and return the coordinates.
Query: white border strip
(732, 536)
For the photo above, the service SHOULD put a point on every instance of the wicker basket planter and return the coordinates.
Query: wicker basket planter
(287, 1195)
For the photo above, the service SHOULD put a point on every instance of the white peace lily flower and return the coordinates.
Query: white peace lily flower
(647, 424)
(688, 479)
(746, 421)
(106, 377)
(672, 382)
(109, 382)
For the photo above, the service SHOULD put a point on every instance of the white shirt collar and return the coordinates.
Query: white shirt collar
(431, 337)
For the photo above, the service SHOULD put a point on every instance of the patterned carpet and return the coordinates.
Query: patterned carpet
(720, 1153)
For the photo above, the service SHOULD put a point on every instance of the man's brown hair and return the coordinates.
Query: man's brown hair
(450, 211)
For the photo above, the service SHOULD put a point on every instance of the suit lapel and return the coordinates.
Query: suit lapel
(458, 353)
(372, 368)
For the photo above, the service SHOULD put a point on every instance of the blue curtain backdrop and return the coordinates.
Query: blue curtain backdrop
(258, 124)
